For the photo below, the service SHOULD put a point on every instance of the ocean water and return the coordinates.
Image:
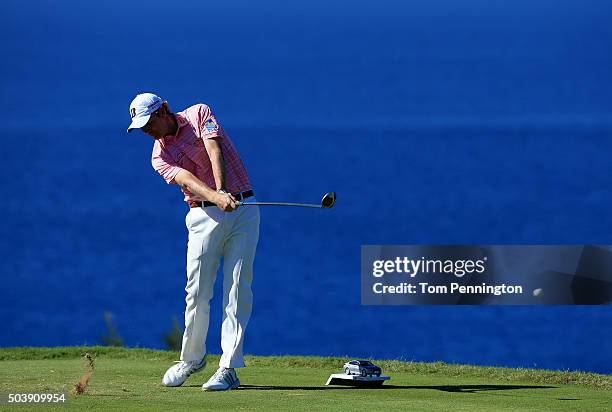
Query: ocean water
(482, 122)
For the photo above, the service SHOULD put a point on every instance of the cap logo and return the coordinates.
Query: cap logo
(133, 112)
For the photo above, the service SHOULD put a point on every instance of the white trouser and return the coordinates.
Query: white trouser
(213, 234)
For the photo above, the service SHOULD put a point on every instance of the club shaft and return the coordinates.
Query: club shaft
(278, 204)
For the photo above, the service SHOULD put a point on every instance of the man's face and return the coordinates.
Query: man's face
(158, 125)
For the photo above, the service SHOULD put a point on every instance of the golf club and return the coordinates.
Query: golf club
(328, 201)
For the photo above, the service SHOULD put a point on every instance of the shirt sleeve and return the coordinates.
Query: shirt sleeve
(164, 165)
(208, 126)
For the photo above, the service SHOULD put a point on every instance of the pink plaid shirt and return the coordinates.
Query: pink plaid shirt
(186, 150)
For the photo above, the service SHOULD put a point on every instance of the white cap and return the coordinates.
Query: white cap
(141, 108)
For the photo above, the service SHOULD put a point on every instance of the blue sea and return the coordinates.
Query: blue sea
(474, 122)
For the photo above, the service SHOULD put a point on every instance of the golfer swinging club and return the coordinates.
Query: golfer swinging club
(192, 150)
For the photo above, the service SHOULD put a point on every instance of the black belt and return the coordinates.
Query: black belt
(238, 196)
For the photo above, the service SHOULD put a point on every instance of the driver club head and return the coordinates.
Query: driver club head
(329, 200)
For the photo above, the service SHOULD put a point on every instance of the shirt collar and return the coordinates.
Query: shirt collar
(181, 121)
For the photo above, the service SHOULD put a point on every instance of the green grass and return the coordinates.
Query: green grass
(130, 379)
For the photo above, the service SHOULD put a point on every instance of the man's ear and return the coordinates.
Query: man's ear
(165, 108)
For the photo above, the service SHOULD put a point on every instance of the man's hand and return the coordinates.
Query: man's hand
(226, 202)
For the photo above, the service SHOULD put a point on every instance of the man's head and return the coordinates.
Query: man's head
(152, 115)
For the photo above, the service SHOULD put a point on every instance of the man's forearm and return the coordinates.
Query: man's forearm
(215, 154)
(188, 181)
(201, 191)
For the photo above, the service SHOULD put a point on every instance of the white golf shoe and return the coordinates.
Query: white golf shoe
(177, 374)
(223, 380)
